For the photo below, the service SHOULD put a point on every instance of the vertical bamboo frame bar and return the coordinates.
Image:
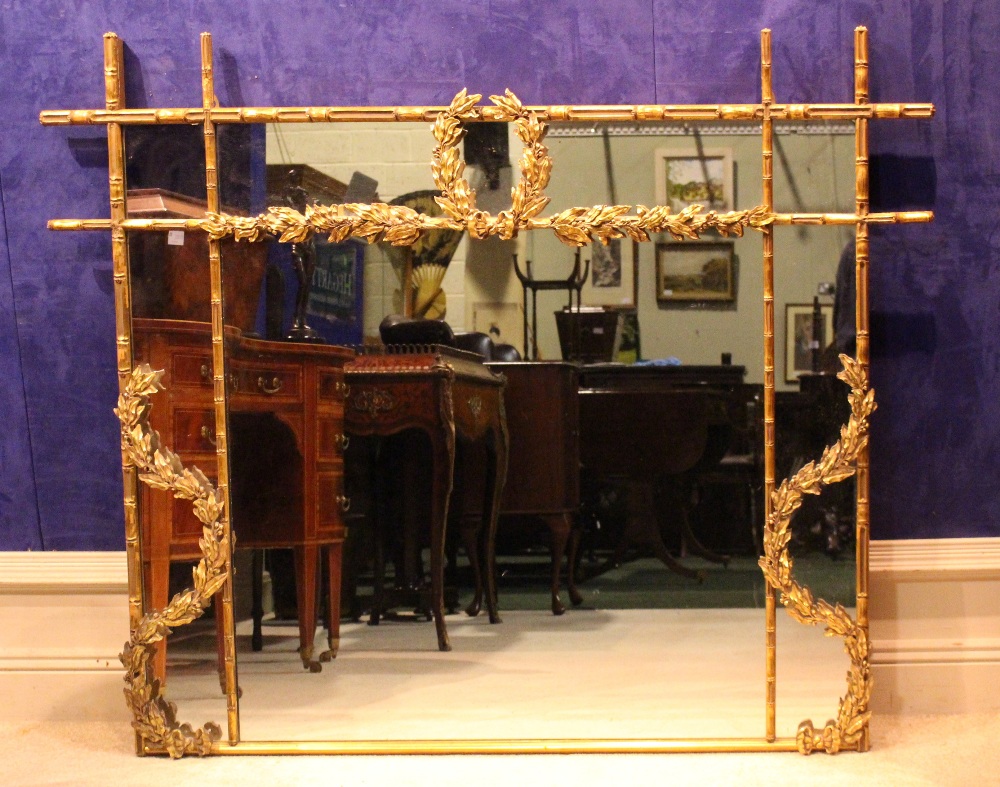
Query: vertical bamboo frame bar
(767, 173)
(861, 323)
(219, 387)
(114, 96)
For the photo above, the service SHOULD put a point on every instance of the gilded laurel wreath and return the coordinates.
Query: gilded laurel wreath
(837, 463)
(153, 717)
(402, 226)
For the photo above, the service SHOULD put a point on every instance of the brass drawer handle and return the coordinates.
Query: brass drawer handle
(207, 435)
(343, 440)
(345, 503)
(269, 388)
(206, 376)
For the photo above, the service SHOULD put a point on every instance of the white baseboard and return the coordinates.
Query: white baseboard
(937, 557)
(63, 622)
(935, 625)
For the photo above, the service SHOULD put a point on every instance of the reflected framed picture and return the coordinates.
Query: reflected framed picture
(699, 177)
(611, 278)
(695, 272)
(801, 338)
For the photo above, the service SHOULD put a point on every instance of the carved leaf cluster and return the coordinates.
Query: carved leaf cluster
(837, 463)
(395, 224)
(153, 717)
(458, 199)
(580, 226)
(527, 197)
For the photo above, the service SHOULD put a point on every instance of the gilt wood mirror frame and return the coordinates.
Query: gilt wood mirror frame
(144, 459)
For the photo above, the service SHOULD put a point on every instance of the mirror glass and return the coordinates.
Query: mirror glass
(814, 322)
(669, 629)
(171, 331)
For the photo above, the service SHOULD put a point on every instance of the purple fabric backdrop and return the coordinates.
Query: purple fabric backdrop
(937, 429)
(19, 528)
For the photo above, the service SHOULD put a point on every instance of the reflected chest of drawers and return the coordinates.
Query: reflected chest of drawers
(286, 413)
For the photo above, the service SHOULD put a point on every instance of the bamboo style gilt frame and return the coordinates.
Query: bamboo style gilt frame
(158, 731)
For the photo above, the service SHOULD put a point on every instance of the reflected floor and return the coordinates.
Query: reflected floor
(590, 673)
(645, 583)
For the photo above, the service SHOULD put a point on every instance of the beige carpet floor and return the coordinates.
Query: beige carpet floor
(597, 678)
(916, 750)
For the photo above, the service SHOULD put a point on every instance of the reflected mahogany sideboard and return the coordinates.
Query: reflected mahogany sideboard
(286, 412)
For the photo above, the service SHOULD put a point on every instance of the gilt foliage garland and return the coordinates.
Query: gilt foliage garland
(402, 226)
(154, 718)
(837, 463)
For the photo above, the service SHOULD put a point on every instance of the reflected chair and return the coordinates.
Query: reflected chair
(736, 482)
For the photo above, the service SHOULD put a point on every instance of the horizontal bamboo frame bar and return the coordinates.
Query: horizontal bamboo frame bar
(904, 217)
(829, 219)
(581, 113)
(491, 746)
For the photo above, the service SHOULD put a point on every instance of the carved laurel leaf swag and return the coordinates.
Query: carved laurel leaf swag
(402, 226)
(837, 463)
(153, 717)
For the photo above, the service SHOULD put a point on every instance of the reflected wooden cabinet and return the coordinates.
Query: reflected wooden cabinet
(543, 475)
(286, 451)
(543, 471)
(170, 272)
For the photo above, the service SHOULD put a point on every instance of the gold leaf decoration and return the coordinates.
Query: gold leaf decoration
(837, 463)
(527, 197)
(402, 226)
(457, 200)
(153, 717)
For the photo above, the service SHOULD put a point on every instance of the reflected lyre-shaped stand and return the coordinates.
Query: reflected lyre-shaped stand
(572, 284)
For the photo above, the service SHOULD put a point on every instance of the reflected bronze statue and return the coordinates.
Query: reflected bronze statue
(304, 255)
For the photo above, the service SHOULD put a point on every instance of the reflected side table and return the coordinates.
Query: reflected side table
(447, 394)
